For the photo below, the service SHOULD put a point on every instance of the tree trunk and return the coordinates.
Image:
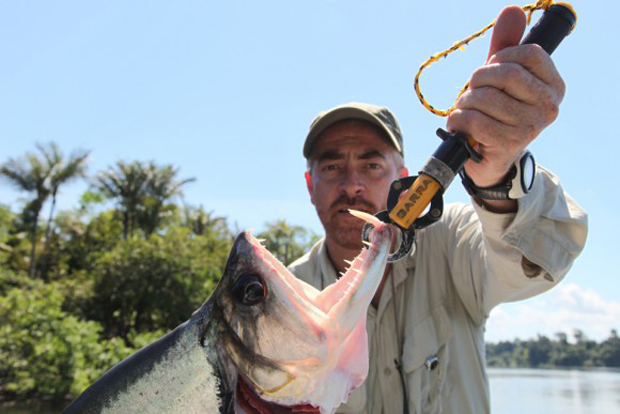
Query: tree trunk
(31, 269)
(49, 221)
(125, 224)
(47, 237)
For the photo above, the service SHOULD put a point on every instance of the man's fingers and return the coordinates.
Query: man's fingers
(519, 83)
(534, 60)
(490, 133)
(497, 104)
(510, 100)
(508, 30)
(505, 48)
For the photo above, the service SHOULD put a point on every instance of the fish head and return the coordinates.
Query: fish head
(295, 347)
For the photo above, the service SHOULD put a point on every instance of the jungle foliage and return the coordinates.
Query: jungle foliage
(87, 287)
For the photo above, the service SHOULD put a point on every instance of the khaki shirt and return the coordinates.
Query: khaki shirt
(438, 299)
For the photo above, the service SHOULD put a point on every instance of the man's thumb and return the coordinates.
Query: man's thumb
(508, 29)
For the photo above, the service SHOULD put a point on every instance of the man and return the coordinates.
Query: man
(426, 322)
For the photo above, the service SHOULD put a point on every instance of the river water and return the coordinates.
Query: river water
(532, 391)
(522, 391)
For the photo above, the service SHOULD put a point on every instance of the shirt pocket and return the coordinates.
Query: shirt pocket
(426, 361)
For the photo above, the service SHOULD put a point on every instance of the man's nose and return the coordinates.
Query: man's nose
(352, 183)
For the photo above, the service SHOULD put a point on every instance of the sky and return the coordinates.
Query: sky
(226, 91)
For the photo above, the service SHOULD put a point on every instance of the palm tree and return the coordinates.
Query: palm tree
(30, 174)
(125, 182)
(287, 242)
(142, 191)
(161, 186)
(202, 222)
(63, 172)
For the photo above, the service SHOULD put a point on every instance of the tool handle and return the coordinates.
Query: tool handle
(553, 26)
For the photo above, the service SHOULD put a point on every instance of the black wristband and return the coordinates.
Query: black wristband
(497, 192)
(520, 177)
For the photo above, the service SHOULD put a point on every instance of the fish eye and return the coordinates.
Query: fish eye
(249, 289)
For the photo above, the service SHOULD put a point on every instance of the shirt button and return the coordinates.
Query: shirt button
(387, 371)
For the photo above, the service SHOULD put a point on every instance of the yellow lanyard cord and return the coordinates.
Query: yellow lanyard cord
(530, 8)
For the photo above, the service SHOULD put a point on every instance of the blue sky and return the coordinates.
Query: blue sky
(226, 91)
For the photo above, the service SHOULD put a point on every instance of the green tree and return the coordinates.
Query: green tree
(539, 351)
(31, 174)
(46, 352)
(543, 352)
(205, 223)
(610, 350)
(6, 221)
(143, 193)
(83, 243)
(124, 183)
(64, 171)
(155, 283)
(287, 242)
(500, 354)
(161, 187)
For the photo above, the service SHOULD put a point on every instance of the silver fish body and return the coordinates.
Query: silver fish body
(264, 341)
(176, 373)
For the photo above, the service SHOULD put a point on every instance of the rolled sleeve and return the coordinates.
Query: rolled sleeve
(549, 230)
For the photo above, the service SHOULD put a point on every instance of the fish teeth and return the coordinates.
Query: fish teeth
(349, 262)
(369, 218)
(369, 244)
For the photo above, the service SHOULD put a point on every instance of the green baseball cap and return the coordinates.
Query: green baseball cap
(380, 116)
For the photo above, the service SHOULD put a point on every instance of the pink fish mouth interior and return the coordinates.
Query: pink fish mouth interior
(342, 307)
(352, 281)
(253, 404)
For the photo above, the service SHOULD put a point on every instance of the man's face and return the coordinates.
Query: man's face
(352, 168)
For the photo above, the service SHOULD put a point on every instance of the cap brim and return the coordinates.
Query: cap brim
(339, 114)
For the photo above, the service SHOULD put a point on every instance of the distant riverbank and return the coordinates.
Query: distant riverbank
(544, 352)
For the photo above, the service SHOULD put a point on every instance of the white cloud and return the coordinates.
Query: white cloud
(563, 309)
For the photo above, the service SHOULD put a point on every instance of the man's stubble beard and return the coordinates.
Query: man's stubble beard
(345, 229)
(346, 234)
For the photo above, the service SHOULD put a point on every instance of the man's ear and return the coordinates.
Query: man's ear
(404, 172)
(309, 185)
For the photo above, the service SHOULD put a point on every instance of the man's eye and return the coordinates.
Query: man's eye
(373, 166)
(330, 167)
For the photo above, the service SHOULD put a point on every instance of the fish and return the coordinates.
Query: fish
(263, 342)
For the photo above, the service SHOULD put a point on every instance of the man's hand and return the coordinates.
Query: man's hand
(510, 100)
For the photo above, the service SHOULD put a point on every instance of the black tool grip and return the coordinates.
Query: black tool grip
(553, 26)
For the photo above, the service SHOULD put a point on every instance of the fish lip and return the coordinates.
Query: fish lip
(247, 398)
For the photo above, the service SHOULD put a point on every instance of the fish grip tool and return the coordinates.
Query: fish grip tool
(405, 210)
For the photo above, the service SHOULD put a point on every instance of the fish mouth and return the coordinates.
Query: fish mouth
(249, 401)
(332, 358)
